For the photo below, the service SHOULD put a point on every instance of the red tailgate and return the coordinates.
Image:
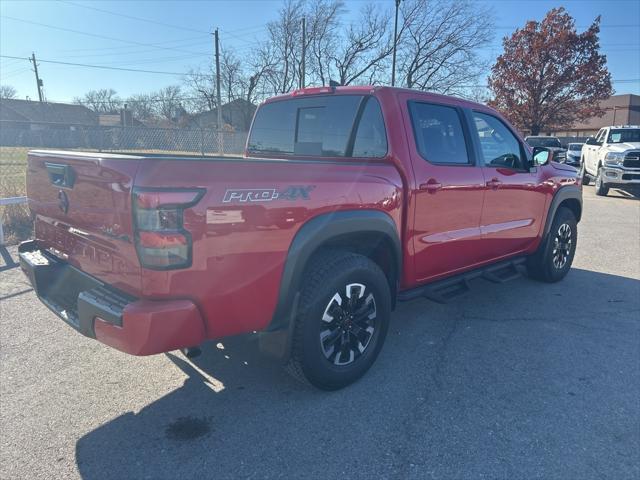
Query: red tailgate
(82, 207)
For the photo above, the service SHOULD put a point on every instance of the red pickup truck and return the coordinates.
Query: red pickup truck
(346, 200)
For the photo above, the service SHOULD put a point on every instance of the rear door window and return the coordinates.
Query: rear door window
(438, 133)
(315, 126)
(371, 137)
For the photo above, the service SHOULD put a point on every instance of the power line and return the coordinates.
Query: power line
(79, 32)
(131, 17)
(155, 44)
(105, 67)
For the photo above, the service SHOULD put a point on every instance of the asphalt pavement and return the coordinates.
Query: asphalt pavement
(522, 380)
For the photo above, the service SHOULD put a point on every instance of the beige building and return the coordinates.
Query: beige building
(619, 110)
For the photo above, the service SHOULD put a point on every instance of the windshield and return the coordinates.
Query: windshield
(544, 142)
(575, 147)
(624, 135)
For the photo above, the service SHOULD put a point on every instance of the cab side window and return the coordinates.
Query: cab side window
(439, 135)
(499, 147)
(602, 135)
(371, 137)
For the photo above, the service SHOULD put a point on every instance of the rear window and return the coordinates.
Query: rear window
(320, 126)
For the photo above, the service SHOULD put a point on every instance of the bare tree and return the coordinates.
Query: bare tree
(283, 47)
(201, 90)
(105, 100)
(7, 91)
(439, 45)
(322, 37)
(168, 102)
(142, 105)
(364, 52)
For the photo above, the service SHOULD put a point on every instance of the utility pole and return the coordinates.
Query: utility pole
(395, 43)
(38, 81)
(218, 99)
(304, 51)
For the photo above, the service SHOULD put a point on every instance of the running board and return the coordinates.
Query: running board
(443, 291)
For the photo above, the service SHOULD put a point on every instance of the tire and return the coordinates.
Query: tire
(601, 188)
(330, 348)
(554, 257)
(586, 179)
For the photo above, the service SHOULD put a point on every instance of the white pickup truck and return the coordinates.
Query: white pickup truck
(612, 158)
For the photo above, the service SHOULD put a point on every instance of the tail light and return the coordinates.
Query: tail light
(162, 242)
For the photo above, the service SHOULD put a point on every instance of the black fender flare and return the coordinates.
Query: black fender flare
(568, 192)
(313, 235)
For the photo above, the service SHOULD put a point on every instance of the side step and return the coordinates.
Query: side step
(443, 291)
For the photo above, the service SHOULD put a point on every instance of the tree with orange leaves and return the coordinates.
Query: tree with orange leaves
(549, 75)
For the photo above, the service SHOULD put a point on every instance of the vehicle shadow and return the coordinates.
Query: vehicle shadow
(499, 359)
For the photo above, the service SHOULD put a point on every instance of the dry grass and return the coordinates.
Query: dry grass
(16, 219)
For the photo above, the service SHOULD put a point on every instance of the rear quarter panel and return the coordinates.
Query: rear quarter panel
(239, 244)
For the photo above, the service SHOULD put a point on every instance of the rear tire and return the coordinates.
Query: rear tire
(554, 256)
(586, 179)
(601, 188)
(345, 307)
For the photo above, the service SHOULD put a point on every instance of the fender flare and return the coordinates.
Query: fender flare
(568, 192)
(312, 236)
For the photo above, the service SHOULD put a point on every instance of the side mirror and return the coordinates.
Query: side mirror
(541, 156)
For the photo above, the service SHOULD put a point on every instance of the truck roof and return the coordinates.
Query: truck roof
(369, 89)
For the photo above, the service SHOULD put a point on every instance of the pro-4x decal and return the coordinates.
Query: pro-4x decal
(243, 195)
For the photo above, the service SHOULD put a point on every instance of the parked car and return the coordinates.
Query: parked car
(369, 195)
(552, 143)
(612, 158)
(573, 155)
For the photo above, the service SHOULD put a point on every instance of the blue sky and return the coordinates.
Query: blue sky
(121, 41)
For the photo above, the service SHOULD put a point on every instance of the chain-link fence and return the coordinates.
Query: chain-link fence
(198, 141)
(17, 138)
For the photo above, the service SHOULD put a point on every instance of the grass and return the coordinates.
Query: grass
(16, 219)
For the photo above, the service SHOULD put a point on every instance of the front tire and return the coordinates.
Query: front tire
(345, 307)
(586, 179)
(554, 257)
(601, 188)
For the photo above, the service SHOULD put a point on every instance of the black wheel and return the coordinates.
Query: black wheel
(555, 255)
(601, 187)
(344, 314)
(586, 179)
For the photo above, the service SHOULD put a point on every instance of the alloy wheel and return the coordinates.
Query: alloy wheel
(348, 324)
(562, 243)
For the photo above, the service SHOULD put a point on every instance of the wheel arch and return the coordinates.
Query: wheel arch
(570, 197)
(371, 233)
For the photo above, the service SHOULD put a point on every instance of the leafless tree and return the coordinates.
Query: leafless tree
(201, 90)
(322, 38)
(364, 51)
(169, 102)
(7, 91)
(142, 105)
(283, 47)
(105, 100)
(439, 45)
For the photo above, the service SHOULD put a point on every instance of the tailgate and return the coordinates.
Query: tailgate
(83, 214)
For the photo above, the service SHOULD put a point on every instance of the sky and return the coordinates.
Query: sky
(174, 37)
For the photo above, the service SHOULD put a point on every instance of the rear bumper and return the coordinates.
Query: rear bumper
(97, 310)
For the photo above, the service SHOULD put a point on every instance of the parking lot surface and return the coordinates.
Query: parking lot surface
(521, 380)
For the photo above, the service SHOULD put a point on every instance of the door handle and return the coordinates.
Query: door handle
(494, 183)
(432, 186)
(60, 175)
